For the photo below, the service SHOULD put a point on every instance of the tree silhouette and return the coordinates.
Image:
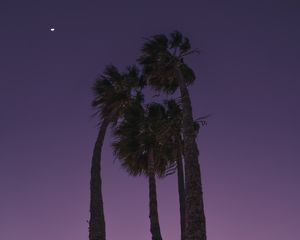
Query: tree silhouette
(113, 93)
(164, 68)
(138, 147)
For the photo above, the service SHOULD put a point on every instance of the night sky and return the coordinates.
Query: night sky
(248, 76)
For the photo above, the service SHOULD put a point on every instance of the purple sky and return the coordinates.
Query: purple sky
(248, 79)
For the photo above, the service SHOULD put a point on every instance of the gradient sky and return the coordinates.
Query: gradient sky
(248, 79)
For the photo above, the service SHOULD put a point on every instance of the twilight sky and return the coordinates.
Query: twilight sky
(248, 79)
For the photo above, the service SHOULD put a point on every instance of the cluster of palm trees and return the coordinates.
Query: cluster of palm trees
(152, 139)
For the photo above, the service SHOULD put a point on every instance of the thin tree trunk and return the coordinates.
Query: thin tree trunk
(97, 221)
(195, 218)
(153, 212)
(180, 181)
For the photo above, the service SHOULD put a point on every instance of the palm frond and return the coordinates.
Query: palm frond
(137, 135)
(162, 57)
(114, 91)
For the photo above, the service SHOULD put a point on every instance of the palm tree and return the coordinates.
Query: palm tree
(165, 70)
(172, 135)
(113, 93)
(140, 151)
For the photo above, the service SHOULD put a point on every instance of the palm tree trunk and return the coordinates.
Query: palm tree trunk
(97, 221)
(180, 181)
(153, 212)
(195, 218)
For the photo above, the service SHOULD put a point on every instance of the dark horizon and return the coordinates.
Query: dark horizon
(247, 78)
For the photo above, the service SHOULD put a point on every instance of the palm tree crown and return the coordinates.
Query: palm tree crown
(113, 91)
(138, 134)
(162, 57)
